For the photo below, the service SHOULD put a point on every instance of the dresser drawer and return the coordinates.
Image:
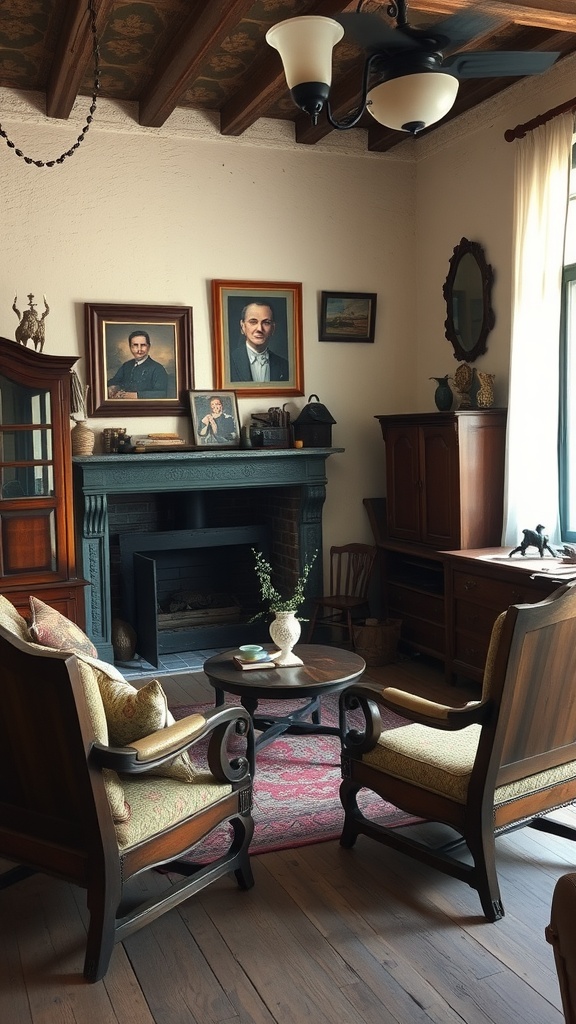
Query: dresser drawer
(474, 618)
(498, 594)
(471, 650)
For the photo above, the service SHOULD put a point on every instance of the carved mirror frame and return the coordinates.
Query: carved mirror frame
(464, 248)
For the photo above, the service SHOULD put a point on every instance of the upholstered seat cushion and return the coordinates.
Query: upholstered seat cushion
(436, 760)
(442, 762)
(158, 803)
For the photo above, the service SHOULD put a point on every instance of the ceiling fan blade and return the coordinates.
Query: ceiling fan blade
(499, 64)
(372, 33)
(460, 28)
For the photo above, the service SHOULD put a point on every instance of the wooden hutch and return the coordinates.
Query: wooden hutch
(37, 552)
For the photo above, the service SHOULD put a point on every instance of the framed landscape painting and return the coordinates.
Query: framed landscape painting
(139, 359)
(347, 316)
(257, 337)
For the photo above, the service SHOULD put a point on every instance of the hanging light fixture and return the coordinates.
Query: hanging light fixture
(404, 91)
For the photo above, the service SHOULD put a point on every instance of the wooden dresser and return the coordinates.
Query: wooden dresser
(479, 584)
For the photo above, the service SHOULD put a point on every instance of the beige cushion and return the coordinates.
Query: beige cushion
(442, 762)
(159, 803)
(11, 620)
(52, 629)
(119, 807)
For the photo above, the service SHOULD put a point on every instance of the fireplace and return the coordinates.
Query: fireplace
(191, 590)
(275, 495)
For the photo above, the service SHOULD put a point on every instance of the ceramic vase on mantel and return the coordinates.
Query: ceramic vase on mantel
(82, 438)
(285, 633)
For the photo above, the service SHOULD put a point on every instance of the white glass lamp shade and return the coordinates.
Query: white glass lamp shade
(305, 46)
(413, 102)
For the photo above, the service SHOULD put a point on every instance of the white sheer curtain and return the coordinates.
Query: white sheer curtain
(542, 187)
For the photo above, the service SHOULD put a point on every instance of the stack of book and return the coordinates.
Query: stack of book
(155, 442)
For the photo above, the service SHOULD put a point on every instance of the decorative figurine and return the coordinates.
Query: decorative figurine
(463, 381)
(31, 326)
(535, 539)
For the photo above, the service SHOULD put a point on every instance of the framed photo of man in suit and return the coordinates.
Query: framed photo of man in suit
(257, 337)
(139, 359)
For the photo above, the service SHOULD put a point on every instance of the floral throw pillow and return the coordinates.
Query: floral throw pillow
(132, 714)
(52, 629)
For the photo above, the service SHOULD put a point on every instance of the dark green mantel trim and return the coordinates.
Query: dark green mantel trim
(204, 470)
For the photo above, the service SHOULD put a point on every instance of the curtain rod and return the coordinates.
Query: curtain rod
(521, 130)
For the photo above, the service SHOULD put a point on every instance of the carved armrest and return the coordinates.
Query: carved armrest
(413, 708)
(218, 725)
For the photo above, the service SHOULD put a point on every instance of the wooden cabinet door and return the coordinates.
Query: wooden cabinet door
(440, 485)
(37, 554)
(403, 481)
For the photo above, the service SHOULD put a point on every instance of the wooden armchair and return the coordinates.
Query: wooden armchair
(74, 806)
(561, 934)
(498, 763)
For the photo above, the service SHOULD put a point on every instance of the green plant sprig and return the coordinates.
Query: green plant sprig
(273, 598)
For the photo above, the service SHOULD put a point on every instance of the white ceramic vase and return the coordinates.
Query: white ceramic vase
(285, 633)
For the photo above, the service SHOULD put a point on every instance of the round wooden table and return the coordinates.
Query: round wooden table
(324, 670)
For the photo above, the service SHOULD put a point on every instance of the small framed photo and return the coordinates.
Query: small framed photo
(139, 359)
(347, 316)
(215, 419)
(257, 337)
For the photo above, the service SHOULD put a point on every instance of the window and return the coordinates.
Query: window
(567, 465)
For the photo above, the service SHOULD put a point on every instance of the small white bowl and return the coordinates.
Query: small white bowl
(251, 652)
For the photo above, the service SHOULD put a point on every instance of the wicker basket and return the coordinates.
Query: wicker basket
(377, 642)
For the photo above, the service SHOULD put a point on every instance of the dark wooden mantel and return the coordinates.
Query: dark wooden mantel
(98, 476)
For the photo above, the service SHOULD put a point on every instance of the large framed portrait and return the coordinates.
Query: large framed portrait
(257, 337)
(347, 316)
(215, 419)
(139, 359)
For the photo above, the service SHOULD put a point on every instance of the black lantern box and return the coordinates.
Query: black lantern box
(314, 425)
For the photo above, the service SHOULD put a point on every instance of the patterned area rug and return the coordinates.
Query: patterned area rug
(296, 800)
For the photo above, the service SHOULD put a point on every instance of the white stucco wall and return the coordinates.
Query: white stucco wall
(153, 215)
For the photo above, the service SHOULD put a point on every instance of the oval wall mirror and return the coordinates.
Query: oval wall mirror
(468, 291)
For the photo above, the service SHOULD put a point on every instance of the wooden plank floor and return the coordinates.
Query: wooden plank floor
(362, 936)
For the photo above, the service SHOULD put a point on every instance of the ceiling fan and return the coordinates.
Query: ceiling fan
(411, 74)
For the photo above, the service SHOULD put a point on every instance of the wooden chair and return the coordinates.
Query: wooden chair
(561, 934)
(498, 763)
(75, 807)
(351, 567)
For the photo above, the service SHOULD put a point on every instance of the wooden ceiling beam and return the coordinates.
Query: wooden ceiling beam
(268, 86)
(556, 15)
(73, 57)
(205, 28)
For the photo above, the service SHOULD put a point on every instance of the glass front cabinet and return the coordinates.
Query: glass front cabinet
(37, 555)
